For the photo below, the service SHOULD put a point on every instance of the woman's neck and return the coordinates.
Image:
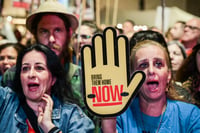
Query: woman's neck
(34, 106)
(153, 108)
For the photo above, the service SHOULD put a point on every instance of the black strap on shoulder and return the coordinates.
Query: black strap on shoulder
(31, 115)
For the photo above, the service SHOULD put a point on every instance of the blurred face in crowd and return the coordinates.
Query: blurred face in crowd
(177, 31)
(191, 30)
(151, 60)
(127, 27)
(176, 56)
(51, 31)
(8, 57)
(36, 79)
(85, 37)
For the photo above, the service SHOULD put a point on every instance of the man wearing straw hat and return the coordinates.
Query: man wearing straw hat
(51, 25)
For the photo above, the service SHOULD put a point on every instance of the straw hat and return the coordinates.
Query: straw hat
(51, 6)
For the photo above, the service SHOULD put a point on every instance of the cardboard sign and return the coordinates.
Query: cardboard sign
(108, 88)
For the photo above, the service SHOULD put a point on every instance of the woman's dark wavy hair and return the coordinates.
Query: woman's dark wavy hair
(189, 67)
(189, 71)
(61, 89)
(17, 46)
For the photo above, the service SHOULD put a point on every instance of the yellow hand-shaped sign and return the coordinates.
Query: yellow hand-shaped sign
(108, 88)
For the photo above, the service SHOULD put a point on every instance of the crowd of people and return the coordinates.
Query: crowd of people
(40, 80)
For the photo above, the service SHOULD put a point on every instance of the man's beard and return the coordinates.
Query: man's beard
(56, 47)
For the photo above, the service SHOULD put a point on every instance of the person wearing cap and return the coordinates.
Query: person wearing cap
(52, 26)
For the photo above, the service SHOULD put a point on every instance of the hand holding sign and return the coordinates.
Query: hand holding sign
(108, 89)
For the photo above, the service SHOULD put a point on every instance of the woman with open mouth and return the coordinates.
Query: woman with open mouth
(155, 109)
(41, 99)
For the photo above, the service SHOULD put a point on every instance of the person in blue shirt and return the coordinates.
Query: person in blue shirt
(41, 98)
(155, 110)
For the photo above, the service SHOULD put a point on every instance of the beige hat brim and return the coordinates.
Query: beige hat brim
(51, 6)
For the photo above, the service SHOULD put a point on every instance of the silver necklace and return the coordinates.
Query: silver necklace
(157, 130)
(144, 131)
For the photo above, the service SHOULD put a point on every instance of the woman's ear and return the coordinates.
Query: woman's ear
(169, 79)
(169, 76)
(53, 81)
(70, 31)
